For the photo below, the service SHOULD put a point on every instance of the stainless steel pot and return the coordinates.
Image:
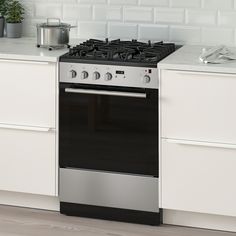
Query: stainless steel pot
(53, 34)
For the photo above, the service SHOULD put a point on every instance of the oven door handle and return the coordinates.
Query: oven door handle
(106, 92)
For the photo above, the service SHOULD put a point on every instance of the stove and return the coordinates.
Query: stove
(108, 130)
(132, 53)
(115, 63)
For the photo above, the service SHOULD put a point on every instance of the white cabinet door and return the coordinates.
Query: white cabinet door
(28, 161)
(198, 177)
(198, 106)
(27, 93)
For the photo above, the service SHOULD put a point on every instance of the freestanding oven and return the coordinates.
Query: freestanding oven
(108, 124)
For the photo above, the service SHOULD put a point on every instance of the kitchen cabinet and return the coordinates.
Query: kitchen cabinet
(198, 177)
(198, 137)
(27, 93)
(198, 106)
(28, 161)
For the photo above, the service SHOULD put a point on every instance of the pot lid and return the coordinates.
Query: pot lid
(54, 23)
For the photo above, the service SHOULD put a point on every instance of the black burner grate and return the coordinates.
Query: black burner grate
(121, 51)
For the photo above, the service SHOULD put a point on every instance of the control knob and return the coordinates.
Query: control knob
(108, 76)
(96, 75)
(146, 79)
(84, 75)
(72, 74)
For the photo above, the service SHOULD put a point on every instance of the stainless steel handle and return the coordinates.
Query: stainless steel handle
(24, 62)
(27, 128)
(57, 19)
(104, 92)
(203, 144)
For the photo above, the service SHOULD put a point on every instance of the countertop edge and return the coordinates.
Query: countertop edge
(29, 58)
(208, 68)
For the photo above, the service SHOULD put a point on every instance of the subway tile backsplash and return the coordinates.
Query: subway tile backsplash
(181, 21)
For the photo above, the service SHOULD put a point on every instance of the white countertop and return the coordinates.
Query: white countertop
(25, 49)
(187, 58)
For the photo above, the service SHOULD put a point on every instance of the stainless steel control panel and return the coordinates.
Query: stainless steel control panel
(112, 75)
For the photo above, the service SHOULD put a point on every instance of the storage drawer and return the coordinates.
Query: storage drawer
(28, 161)
(198, 177)
(198, 106)
(107, 189)
(27, 93)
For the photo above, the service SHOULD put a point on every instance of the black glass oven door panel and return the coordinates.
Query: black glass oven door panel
(110, 133)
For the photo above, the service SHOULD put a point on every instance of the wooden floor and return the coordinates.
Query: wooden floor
(20, 221)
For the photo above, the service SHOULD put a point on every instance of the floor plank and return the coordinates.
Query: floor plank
(29, 222)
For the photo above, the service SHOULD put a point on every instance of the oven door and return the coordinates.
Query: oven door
(108, 128)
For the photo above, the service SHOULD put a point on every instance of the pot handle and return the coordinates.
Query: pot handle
(58, 20)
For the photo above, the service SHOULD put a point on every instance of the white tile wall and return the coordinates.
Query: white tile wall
(181, 21)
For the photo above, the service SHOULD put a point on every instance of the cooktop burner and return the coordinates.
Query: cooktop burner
(119, 52)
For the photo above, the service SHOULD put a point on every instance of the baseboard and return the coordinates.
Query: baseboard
(206, 221)
(29, 200)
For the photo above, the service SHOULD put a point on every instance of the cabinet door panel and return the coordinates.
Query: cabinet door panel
(198, 106)
(28, 161)
(198, 178)
(27, 93)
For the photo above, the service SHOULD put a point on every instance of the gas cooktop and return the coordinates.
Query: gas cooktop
(118, 52)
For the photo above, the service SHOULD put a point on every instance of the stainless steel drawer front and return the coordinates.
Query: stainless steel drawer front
(109, 190)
